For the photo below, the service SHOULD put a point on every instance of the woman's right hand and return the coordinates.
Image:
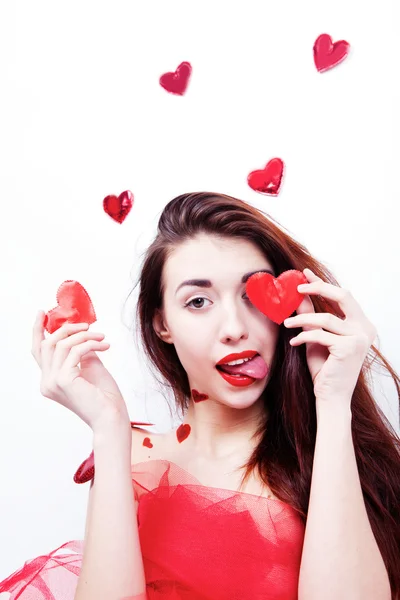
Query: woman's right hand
(89, 391)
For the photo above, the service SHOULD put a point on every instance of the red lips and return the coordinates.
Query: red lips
(237, 356)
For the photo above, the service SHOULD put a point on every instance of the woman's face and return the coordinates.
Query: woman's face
(209, 321)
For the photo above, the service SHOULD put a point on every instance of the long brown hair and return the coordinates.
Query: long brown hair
(283, 457)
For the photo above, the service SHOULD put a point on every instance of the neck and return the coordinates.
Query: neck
(219, 431)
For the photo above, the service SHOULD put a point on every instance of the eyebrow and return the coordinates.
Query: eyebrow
(206, 283)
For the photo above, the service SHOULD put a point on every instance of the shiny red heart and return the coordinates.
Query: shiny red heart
(85, 471)
(74, 306)
(118, 207)
(182, 432)
(198, 397)
(327, 54)
(147, 442)
(177, 81)
(277, 298)
(267, 180)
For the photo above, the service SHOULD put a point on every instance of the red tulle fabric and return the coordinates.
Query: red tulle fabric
(198, 543)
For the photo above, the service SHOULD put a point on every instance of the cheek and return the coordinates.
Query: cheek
(272, 332)
(194, 353)
(267, 331)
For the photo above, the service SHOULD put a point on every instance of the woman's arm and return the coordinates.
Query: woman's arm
(112, 565)
(341, 558)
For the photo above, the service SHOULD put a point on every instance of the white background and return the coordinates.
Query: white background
(82, 115)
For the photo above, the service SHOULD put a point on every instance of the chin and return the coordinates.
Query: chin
(246, 399)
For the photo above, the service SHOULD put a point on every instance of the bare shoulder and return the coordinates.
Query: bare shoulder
(146, 445)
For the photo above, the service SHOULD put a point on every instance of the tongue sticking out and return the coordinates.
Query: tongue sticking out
(255, 367)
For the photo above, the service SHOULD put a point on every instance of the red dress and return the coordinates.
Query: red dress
(198, 543)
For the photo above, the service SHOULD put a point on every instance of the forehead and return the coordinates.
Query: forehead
(206, 255)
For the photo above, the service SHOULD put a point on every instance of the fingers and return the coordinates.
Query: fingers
(37, 336)
(310, 321)
(62, 350)
(48, 346)
(63, 347)
(42, 347)
(76, 354)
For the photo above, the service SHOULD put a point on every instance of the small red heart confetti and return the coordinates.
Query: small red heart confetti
(177, 81)
(267, 180)
(118, 207)
(198, 397)
(327, 54)
(85, 471)
(182, 432)
(147, 442)
(74, 306)
(277, 298)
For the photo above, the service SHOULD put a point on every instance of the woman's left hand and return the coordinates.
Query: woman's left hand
(336, 348)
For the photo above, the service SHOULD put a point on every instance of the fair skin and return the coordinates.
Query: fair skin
(220, 321)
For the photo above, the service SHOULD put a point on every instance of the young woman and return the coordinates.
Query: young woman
(280, 482)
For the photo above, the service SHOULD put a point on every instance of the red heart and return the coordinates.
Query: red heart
(277, 298)
(85, 471)
(327, 54)
(198, 397)
(74, 306)
(147, 442)
(182, 432)
(267, 180)
(177, 82)
(118, 207)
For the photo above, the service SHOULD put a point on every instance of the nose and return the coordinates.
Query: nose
(233, 326)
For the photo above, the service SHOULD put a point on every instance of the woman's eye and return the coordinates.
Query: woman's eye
(190, 303)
